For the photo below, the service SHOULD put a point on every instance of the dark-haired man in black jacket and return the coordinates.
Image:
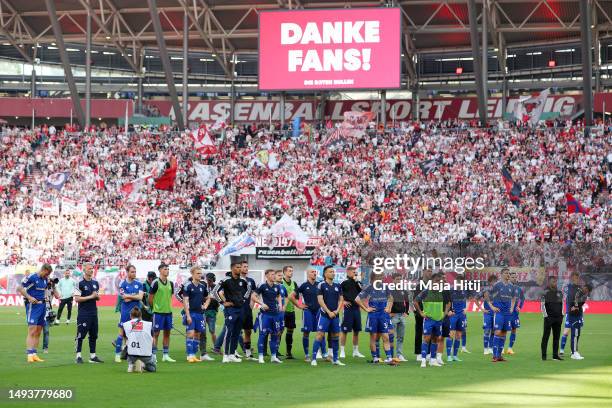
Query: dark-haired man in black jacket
(552, 308)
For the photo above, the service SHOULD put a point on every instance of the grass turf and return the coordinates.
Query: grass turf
(524, 381)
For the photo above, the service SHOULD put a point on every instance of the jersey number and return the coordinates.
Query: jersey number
(135, 344)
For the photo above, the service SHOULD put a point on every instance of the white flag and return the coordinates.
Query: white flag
(288, 228)
(205, 175)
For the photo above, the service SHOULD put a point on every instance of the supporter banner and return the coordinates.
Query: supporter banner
(260, 110)
(284, 242)
(45, 207)
(400, 110)
(330, 49)
(290, 252)
(74, 207)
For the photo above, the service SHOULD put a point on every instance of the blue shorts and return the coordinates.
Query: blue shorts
(325, 324)
(35, 314)
(351, 320)
(162, 321)
(487, 320)
(378, 322)
(125, 315)
(197, 322)
(458, 322)
(502, 321)
(268, 323)
(280, 320)
(572, 321)
(309, 320)
(432, 327)
(515, 323)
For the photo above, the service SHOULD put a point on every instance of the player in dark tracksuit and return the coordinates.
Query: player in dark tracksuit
(87, 317)
(351, 318)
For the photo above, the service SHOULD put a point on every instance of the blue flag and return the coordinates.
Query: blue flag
(297, 122)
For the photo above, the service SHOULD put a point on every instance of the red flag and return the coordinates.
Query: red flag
(166, 180)
(574, 206)
(203, 143)
(313, 195)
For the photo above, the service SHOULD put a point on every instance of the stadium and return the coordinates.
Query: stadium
(378, 203)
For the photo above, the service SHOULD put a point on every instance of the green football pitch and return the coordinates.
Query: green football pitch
(524, 381)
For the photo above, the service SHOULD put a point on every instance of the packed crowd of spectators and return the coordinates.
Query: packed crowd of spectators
(376, 185)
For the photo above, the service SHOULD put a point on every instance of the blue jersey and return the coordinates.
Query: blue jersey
(519, 294)
(501, 295)
(331, 295)
(309, 293)
(196, 294)
(269, 294)
(89, 307)
(459, 300)
(129, 288)
(283, 293)
(377, 298)
(570, 296)
(35, 286)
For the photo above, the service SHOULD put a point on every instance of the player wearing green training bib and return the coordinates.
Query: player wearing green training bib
(291, 287)
(160, 299)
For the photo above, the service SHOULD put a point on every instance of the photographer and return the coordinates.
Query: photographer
(139, 343)
(50, 293)
(66, 287)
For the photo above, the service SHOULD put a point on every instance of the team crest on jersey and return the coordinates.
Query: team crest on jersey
(336, 289)
(240, 283)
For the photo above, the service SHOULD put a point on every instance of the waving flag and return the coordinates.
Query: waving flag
(529, 109)
(205, 175)
(574, 206)
(57, 180)
(430, 165)
(337, 136)
(203, 143)
(313, 195)
(167, 179)
(513, 189)
(220, 123)
(131, 191)
(241, 242)
(288, 228)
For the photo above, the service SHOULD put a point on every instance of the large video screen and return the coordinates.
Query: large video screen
(330, 49)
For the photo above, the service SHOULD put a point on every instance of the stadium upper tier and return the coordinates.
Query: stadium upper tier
(441, 183)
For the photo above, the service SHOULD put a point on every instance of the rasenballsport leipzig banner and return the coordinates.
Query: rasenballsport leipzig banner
(330, 49)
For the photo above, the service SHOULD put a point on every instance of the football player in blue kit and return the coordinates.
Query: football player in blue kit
(280, 315)
(378, 308)
(459, 298)
(310, 308)
(329, 296)
(268, 296)
(501, 299)
(516, 321)
(33, 288)
(195, 300)
(131, 292)
(487, 317)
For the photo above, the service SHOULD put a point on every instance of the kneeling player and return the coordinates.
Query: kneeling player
(378, 309)
(139, 343)
(329, 296)
(195, 300)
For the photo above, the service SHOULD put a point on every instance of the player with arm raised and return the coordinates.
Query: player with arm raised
(329, 296)
(131, 292)
(379, 306)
